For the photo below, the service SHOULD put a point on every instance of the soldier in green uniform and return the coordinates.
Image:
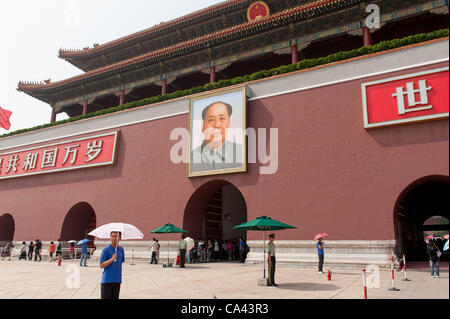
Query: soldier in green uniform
(271, 260)
(182, 250)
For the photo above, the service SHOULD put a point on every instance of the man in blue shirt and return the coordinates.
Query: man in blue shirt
(320, 253)
(111, 261)
(83, 254)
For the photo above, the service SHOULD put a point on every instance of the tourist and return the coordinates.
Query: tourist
(182, 251)
(84, 247)
(320, 253)
(72, 251)
(23, 251)
(242, 249)
(209, 248)
(59, 250)
(433, 256)
(216, 250)
(154, 251)
(111, 261)
(51, 250)
(30, 250)
(271, 260)
(230, 250)
(37, 250)
(6, 252)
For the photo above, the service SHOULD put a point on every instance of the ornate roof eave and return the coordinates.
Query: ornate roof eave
(307, 11)
(72, 54)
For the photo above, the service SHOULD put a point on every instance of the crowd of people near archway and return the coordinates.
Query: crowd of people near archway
(211, 250)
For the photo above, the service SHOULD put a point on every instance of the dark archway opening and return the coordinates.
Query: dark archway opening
(79, 221)
(213, 210)
(415, 215)
(7, 228)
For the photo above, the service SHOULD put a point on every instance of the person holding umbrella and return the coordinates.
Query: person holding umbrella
(111, 261)
(320, 253)
(271, 260)
(113, 255)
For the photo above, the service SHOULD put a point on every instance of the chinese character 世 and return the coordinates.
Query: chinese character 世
(410, 92)
(93, 150)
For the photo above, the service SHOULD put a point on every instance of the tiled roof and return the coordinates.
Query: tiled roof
(219, 35)
(64, 53)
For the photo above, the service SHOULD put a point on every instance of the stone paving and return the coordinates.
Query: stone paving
(223, 280)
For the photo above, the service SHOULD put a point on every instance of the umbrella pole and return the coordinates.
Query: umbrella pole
(167, 252)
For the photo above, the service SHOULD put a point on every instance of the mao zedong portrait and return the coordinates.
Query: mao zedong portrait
(216, 152)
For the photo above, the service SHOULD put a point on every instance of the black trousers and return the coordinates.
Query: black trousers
(154, 258)
(272, 270)
(182, 257)
(110, 291)
(321, 257)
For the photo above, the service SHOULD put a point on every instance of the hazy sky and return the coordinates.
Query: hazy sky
(32, 32)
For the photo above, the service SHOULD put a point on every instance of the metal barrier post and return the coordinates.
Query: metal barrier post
(393, 278)
(404, 269)
(364, 284)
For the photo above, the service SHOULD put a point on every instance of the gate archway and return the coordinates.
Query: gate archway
(213, 209)
(420, 201)
(7, 228)
(79, 221)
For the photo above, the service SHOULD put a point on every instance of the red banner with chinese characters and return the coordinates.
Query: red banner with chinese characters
(62, 156)
(414, 97)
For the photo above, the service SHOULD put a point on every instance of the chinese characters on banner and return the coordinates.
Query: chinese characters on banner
(67, 155)
(410, 98)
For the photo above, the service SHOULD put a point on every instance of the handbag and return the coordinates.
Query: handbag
(438, 253)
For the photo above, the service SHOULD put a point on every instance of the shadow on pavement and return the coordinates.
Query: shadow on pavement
(196, 267)
(308, 286)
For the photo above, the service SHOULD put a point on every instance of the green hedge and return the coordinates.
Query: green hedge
(304, 64)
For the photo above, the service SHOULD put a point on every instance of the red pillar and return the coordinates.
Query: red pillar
(164, 87)
(85, 107)
(212, 74)
(367, 38)
(122, 97)
(294, 54)
(53, 117)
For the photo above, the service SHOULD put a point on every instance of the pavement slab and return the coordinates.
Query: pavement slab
(222, 280)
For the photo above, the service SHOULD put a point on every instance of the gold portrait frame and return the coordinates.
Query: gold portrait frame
(241, 169)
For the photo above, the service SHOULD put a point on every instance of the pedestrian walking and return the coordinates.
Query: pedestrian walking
(59, 250)
(242, 246)
(320, 253)
(84, 247)
(182, 251)
(433, 257)
(216, 250)
(37, 250)
(51, 250)
(209, 250)
(154, 251)
(72, 251)
(30, 250)
(271, 260)
(111, 261)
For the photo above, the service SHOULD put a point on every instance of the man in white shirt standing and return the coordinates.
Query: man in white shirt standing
(154, 250)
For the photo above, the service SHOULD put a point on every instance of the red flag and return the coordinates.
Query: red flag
(4, 119)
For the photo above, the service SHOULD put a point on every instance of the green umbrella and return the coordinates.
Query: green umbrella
(166, 229)
(264, 223)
